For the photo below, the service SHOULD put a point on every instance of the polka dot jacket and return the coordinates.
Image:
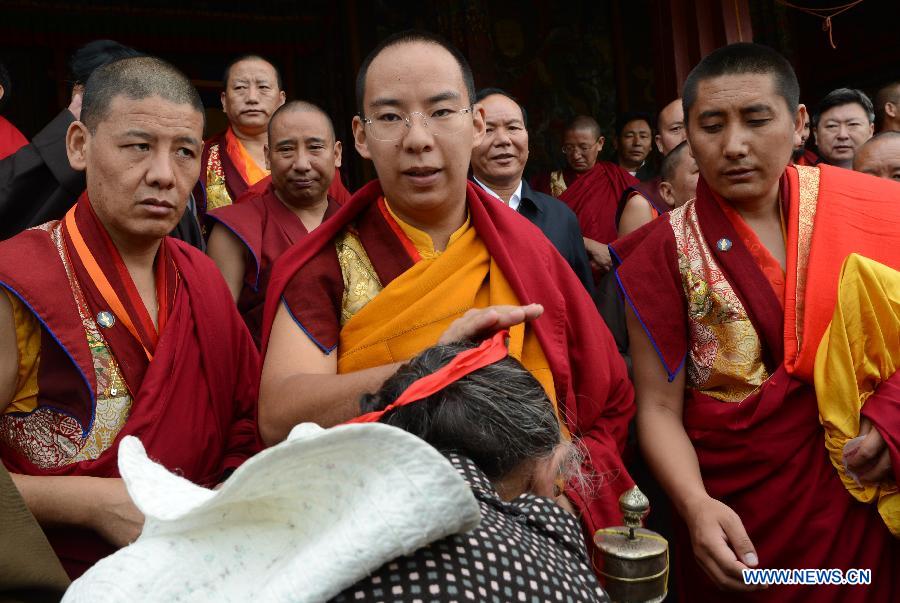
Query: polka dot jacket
(528, 550)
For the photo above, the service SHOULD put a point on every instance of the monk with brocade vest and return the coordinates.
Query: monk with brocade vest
(247, 237)
(105, 323)
(234, 160)
(764, 333)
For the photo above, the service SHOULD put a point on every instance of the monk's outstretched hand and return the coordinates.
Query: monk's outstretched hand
(115, 516)
(721, 544)
(478, 323)
(871, 460)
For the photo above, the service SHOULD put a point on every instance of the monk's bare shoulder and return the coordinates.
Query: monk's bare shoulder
(636, 213)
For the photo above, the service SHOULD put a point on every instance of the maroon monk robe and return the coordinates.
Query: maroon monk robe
(193, 416)
(765, 456)
(809, 157)
(266, 228)
(235, 183)
(337, 190)
(594, 197)
(592, 387)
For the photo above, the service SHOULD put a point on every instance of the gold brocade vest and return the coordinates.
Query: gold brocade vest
(724, 358)
(48, 438)
(216, 192)
(724, 355)
(557, 183)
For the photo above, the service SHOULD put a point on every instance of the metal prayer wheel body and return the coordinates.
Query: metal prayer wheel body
(632, 561)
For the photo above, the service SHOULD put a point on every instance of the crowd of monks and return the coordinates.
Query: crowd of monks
(734, 303)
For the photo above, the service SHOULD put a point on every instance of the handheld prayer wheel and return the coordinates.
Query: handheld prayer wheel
(632, 561)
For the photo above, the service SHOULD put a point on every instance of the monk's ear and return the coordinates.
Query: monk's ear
(890, 109)
(667, 193)
(359, 137)
(600, 141)
(799, 119)
(266, 155)
(77, 142)
(224, 101)
(479, 125)
(338, 153)
(282, 97)
(658, 140)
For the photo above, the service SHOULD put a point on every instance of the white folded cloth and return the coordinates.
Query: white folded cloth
(299, 521)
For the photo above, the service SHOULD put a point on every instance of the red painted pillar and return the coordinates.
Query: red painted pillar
(685, 31)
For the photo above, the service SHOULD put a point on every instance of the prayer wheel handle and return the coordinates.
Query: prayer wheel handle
(634, 506)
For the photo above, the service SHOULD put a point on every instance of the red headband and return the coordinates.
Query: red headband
(490, 351)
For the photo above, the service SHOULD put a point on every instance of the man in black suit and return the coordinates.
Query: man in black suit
(497, 166)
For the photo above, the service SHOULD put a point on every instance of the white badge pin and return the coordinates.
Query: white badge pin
(106, 319)
(723, 244)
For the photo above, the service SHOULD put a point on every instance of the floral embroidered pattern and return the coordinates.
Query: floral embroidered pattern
(724, 350)
(216, 192)
(809, 197)
(49, 438)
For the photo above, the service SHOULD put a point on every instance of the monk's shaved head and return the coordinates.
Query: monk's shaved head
(741, 59)
(888, 117)
(881, 137)
(678, 176)
(414, 36)
(880, 156)
(300, 106)
(135, 78)
(671, 161)
(584, 122)
(250, 57)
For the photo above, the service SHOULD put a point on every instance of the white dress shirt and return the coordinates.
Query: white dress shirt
(514, 200)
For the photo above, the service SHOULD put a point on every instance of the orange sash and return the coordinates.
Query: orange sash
(243, 161)
(112, 297)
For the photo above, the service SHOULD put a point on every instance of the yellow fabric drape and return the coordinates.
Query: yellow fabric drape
(860, 349)
(412, 312)
(28, 343)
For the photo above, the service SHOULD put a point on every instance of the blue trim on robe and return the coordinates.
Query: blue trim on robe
(670, 374)
(255, 285)
(302, 328)
(87, 382)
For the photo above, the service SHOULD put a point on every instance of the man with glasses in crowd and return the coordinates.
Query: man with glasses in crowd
(591, 188)
(423, 256)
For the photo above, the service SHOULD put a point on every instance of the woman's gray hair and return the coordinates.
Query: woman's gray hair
(498, 416)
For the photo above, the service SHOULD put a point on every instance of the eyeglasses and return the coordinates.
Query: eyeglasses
(390, 126)
(568, 149)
